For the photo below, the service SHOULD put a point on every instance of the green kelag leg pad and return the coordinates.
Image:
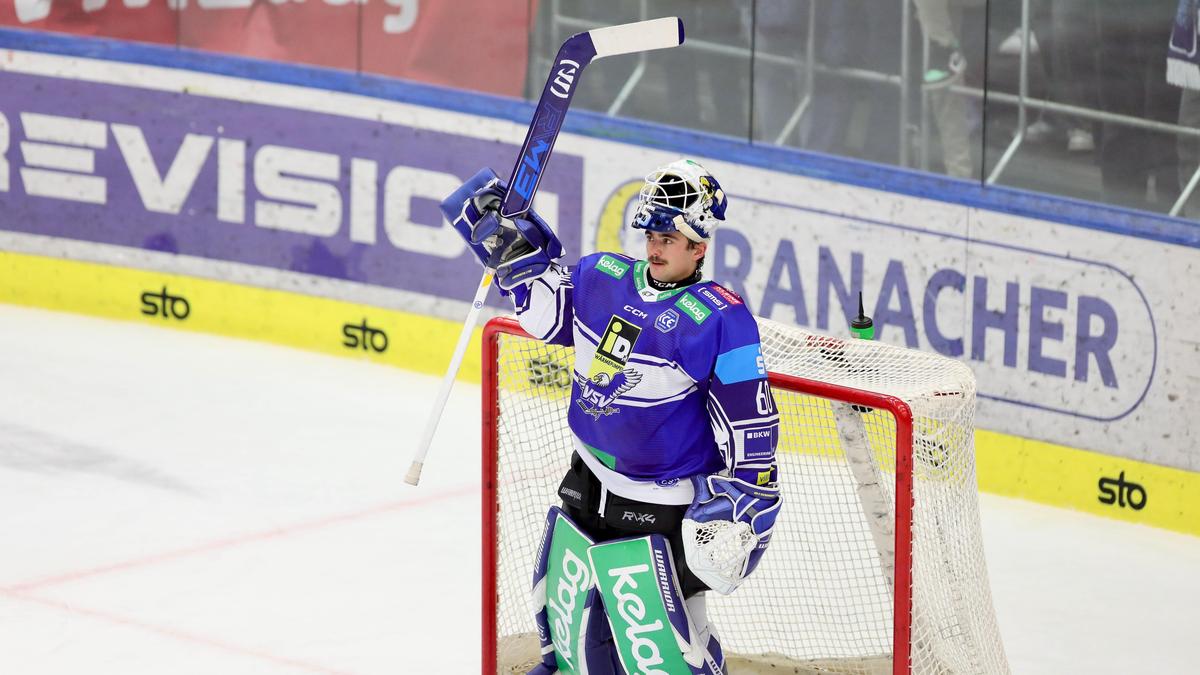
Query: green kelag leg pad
(644, 605)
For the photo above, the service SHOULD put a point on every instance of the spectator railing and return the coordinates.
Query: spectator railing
(561, 24)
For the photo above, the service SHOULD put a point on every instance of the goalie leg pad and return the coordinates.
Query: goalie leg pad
(566, 607)
(714, 657)
(651, 627)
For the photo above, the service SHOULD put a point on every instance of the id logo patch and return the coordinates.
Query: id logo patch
(608, 378)
(616, 346)
(667, 321)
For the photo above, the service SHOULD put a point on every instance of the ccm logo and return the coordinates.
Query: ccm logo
(362, 335)
(565, 78)
(635, 311)
(165, 305)
(1122, 492)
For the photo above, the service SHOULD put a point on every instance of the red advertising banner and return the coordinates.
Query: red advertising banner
(480, 45)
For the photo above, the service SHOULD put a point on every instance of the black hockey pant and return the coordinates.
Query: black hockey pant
(582, 496)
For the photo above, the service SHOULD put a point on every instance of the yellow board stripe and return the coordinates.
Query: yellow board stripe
(1061, 476)
(412, 341)
(1006, 465)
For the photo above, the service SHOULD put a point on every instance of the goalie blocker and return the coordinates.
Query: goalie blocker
(616, 607)
(518, 249)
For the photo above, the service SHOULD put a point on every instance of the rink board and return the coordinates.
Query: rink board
(315, 192)
(1006, 465)
(404, 339)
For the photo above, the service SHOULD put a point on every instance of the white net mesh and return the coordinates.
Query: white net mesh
(821, 600)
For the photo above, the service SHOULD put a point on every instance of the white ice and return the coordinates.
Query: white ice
(180, 503)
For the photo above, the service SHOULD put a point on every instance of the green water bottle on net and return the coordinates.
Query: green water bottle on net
(862, 328)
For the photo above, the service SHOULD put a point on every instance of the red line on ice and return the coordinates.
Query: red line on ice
(239, 540)
(174, 634)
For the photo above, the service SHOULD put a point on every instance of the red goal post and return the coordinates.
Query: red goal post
(526, 445)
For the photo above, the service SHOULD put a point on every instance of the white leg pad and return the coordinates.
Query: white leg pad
(714, 656)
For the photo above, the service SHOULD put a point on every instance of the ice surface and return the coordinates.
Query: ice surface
(183, 503)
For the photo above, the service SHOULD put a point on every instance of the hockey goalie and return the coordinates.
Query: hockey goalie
(672, 490)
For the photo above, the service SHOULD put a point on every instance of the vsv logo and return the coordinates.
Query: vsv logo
(1122, 492)
(564, 79)
(596, 395)
(165, 305)
(608, 378)
(368, 338)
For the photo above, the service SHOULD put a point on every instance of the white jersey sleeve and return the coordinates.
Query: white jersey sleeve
(544, 306)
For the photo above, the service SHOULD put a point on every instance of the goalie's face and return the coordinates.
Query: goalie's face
(672, 256)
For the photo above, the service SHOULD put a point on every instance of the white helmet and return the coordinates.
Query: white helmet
(681, 196)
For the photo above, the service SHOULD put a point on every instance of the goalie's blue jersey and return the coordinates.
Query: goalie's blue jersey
(667, 384)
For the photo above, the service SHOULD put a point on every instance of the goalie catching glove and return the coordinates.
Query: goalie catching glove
(519, 250)
(727, 528)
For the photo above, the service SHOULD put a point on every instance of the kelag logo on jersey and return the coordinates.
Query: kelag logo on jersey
(693, 308)
(608, 377)
(612, 267)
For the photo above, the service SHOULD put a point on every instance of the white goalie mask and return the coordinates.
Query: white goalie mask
(681, 197)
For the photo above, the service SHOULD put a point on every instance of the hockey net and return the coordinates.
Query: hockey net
(876, 564)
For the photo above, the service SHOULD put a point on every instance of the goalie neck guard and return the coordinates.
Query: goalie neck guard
(681, 197)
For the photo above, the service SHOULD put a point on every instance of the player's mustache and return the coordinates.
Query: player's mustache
(655, 259)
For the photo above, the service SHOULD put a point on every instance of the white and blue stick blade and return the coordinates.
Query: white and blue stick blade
(637, 37)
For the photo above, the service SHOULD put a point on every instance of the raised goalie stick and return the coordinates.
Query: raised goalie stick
(573, 56)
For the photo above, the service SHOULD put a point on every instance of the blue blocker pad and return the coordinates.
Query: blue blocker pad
(519, 250)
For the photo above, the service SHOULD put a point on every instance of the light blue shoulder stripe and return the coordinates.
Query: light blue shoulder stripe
(741, 364)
